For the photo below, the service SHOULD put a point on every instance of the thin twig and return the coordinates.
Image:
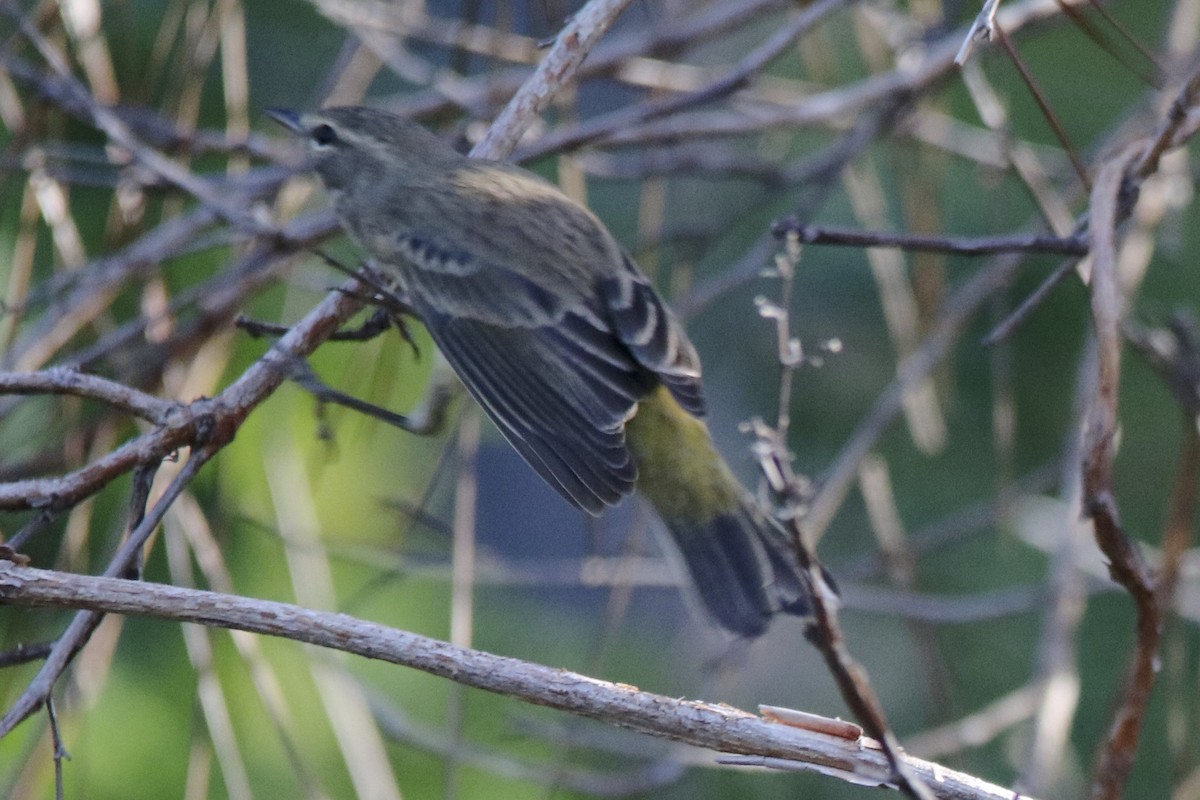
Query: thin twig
(987, 245)
(210, 424)
(24, 653)
(1044, 104)
(84, 624)
(933, 66)
(822, 628)
(556, 69)
(1009, 324)
(60, 750)
(981, 30)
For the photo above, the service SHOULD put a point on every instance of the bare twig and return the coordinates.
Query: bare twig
(60, 750)
(558, 67)
(979, 727)
(683, 94)
(207, 425)
(981, 30)
(66, 381)
(1099, 501)
(24, 653)
(1010, 323)
(1044, 104)
(934, 65)
(1056, 677)
(987, 245)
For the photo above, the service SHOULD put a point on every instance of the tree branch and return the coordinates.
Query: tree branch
(716, 727)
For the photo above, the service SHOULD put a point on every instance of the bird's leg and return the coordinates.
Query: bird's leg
(427, 419)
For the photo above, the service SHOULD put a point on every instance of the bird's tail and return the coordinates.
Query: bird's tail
(741, 564)
(742, 569)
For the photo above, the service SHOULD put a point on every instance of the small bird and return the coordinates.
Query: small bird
(560, 337)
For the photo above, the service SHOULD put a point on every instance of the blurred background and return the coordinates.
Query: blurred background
(974, 596)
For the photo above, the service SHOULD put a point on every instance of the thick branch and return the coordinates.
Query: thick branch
(716, 727)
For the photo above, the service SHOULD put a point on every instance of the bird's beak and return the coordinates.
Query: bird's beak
(287, 118)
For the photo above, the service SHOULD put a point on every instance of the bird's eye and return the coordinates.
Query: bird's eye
(324, 136)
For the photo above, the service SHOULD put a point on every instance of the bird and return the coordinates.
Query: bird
(560, 337)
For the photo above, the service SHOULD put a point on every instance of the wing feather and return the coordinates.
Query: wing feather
(653, 336)
(537, 400)
(559, 372)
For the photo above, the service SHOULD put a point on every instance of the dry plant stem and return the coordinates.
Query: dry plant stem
(638, 44)
(657, 42)
(215, 301)
(1180, 124)
(958, 525)
(60, 752)
(24, 654)
(980, 30)
(979, 727)
(178, 424)
(91, 288)
(303, 376)
(573, 44)
(1104, 42)
(1056, 680)
(823, 630)
(1175, 355)
(188, 425)
(84, 624)
(75, 98)
(716, 727)
(1010, 323)
(1117, 754)
(1177, 126)
(819, 174)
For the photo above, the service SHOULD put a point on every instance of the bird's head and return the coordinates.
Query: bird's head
(355, 143)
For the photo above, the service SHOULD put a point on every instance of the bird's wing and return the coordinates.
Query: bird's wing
(558, 375)
(457, 282)
(552, 375)
(653, 335)
(560, 402)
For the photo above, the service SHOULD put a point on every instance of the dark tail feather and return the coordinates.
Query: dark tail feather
(742, 568)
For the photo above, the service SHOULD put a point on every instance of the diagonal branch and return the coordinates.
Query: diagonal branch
(573, 44)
